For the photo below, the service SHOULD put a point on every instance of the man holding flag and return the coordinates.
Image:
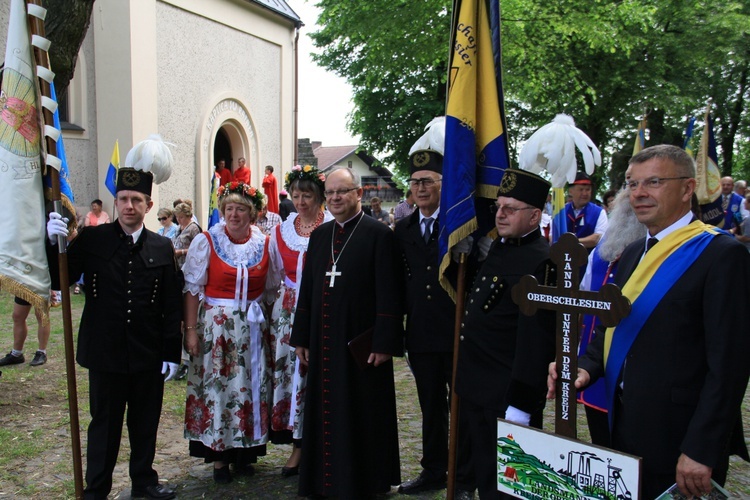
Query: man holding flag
(677, 400)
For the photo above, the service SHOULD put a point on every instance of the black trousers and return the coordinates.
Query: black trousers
(109, 395)
(432, 374)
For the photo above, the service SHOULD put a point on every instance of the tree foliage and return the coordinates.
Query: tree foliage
(605, 63)
(66, 25)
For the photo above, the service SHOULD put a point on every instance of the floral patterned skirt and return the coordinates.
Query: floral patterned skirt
(229, 383)
(289, 377)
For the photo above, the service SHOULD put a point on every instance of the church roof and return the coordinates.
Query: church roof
(280, 7)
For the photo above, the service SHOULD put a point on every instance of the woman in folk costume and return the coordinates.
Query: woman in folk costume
(288, 246)
(228, 389)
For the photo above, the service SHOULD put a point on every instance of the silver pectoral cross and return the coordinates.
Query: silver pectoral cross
(332, 274)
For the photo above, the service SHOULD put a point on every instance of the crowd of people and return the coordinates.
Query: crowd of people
(286, 327)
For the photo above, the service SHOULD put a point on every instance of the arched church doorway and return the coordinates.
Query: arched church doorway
(223, 148)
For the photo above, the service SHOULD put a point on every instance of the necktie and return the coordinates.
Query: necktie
(650, 243)
(427, 228)
(725, 202)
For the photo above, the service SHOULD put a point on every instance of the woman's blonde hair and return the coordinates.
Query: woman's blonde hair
(184, 209)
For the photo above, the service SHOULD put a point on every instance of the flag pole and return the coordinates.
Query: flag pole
(453, 426)
(460, 291)
(36, 27)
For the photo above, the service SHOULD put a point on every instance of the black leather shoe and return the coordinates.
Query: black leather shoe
(222, 476)
(154, 492)
(421, 483)
(9, 359)
(290, 471)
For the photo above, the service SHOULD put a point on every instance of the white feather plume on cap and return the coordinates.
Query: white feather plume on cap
(152, 155)
(554, 147)
(433, 139)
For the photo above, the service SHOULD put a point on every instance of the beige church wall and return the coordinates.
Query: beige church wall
(217, 76)
(81, 146)
(202, 64)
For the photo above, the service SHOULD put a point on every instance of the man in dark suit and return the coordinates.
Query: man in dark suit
(675, 368)
(130, 329)
(503, 354)
(430, 318)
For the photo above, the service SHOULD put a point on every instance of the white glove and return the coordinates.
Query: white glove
(464, 246)
(484, 244)
(57, 225)
(171, 368)
(517, 416)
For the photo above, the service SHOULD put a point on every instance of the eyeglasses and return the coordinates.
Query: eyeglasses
(162, 219)
(339, 192)
(508, 210)
(426, 182)
(650, 183)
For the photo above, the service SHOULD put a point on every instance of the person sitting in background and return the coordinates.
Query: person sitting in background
(96, 216)
(168, 228)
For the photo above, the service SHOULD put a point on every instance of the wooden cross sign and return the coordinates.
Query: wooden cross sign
(570, 302)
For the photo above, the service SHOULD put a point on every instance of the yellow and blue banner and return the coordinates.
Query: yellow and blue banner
(476, 149)
(657, 272)
(114, 166)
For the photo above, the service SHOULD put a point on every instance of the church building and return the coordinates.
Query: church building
(216, 78)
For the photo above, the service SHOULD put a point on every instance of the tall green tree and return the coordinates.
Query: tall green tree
(605, 63)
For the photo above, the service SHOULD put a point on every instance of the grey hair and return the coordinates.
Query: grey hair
(684, 162)
(623, 228)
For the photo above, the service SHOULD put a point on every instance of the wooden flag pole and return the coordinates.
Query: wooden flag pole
(36, 27)
(453, 426)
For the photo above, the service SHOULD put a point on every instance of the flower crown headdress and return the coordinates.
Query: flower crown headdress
(307, 172)
(246, 190)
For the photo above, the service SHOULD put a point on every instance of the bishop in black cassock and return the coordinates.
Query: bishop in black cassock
(350, 436)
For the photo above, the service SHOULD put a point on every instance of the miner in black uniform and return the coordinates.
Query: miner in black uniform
(430, 312)
(129, 335)
(503, 355)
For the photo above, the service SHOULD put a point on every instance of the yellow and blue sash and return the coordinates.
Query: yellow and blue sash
(659, 270)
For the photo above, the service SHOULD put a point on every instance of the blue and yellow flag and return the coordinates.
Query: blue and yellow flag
(476, 149)
(213, 204)
(708, 176)
(114, 166)
(688, 144)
